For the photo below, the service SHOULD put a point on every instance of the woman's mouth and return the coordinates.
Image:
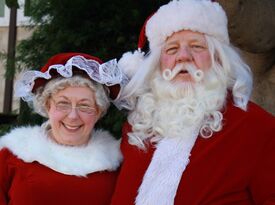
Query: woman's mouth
(71, 127)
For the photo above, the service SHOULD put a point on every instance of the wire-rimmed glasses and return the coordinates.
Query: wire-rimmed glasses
(66, 107)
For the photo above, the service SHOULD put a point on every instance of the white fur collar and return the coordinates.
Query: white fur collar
(30, 144)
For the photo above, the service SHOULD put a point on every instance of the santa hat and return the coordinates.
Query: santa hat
(204, 16)
(66, 65)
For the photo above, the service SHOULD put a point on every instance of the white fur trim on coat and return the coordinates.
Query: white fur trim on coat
(161, 180)
(31, 144)
(202, 16)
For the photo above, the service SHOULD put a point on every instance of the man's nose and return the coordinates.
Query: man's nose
(184, 55)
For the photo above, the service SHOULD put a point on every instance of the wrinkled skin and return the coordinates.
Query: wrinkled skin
(252, 29)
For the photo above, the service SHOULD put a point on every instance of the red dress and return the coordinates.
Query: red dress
(32, 183)
(234, 166)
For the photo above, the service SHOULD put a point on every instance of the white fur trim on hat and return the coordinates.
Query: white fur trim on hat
(130, 62)
(201, 16)
(32, 144)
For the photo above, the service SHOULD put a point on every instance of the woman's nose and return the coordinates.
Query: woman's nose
(73, 113)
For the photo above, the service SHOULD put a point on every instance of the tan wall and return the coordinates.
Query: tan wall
(255, 36)
(22, 33)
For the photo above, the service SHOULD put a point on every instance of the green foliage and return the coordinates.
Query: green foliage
(112, 121)
(7, 122)
(9, 64)
(103, 28)
(4, 128)
(27, 116)
(12, 3)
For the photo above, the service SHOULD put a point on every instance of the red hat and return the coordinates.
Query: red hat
(203, 16)
(62, 58)
(59, 59)
(66, 65)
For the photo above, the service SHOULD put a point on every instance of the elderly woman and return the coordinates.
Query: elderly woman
(64, 161)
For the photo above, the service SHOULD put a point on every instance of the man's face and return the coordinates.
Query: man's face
(185, 47)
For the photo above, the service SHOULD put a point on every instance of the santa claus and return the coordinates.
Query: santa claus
(192, 135)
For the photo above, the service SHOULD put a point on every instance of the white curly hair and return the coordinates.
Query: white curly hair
(232, 72)
(42, 95)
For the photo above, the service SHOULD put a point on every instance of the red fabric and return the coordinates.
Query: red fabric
(142, 36)
(34, 184)
(114, 91)
(235, 166)
(60, 58)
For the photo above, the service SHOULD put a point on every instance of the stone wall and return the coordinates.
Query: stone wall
(252, 29)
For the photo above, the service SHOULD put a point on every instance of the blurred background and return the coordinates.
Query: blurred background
(33, 30)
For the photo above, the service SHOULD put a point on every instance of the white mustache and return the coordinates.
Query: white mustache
(196, 74)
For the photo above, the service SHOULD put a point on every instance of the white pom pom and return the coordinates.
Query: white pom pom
(130, 62)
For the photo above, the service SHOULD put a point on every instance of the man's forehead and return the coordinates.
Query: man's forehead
(185, 35)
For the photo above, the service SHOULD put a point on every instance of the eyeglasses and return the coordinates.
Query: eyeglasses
(67, 107)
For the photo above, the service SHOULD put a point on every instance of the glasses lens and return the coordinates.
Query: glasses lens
(67, 107)
(87, 109)
(64, 107)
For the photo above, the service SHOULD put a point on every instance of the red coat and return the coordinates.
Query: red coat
(35, 184)
(35, 171)
(234, 166)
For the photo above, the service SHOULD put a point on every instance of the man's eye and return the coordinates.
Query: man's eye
(171, 50)
(198, 47)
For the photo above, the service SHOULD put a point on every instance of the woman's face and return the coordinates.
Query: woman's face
(72, 113)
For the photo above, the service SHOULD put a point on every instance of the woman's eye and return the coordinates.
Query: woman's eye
(84, 106)
(62, 103)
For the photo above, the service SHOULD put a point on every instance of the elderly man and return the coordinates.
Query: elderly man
(192, 135)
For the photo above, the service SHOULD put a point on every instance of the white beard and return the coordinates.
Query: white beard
(172, 109)
(173, 115)
(180, 106)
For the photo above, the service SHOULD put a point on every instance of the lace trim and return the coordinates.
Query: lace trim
(108, 73)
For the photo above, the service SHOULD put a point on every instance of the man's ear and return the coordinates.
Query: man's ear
(217, 58)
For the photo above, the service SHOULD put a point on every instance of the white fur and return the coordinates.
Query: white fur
(130, 62)
(32, 144)
(161, 180)
(201, 16)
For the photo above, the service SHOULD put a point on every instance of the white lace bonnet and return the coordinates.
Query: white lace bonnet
(62, 64)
